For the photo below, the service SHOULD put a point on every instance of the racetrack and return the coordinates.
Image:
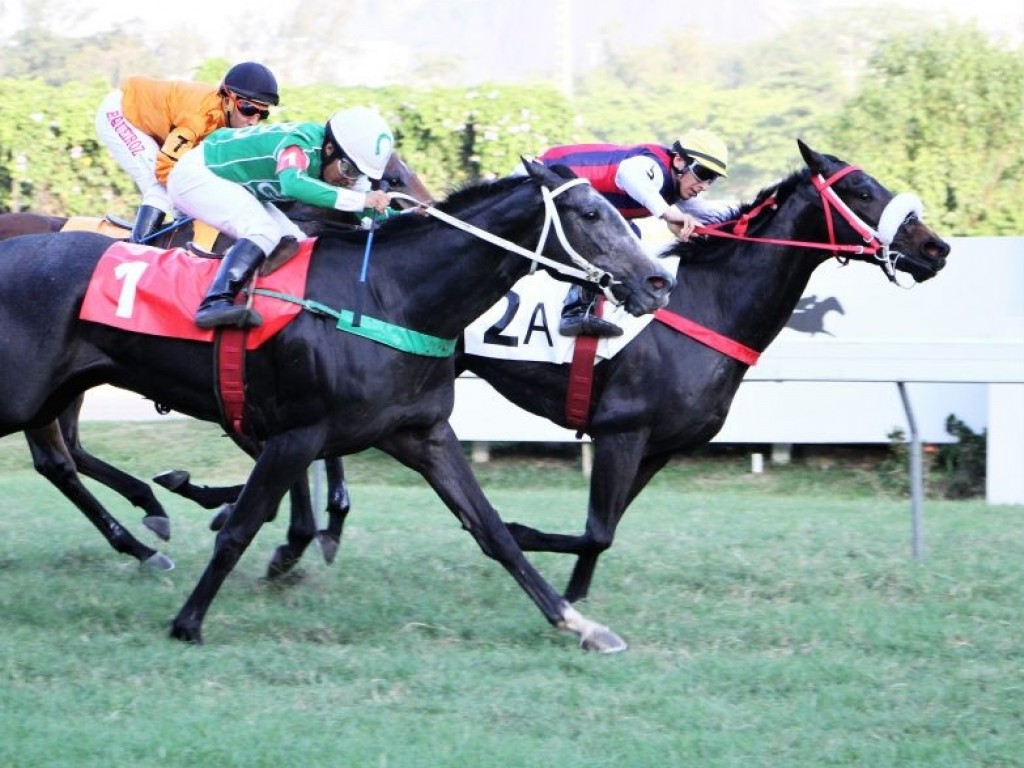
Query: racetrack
(773, 620)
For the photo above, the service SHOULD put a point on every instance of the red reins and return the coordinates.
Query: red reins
(830, 202)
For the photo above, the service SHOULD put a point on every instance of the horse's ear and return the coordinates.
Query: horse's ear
(563, 171)
(552, 173)
(815, 161)
(534, 169)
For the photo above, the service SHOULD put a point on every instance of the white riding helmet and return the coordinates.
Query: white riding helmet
(363, 135)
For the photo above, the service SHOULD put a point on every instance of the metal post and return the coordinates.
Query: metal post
(587, 458)
(318, 493)
(916, 478)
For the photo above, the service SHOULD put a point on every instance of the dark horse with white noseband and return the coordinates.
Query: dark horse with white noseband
(667, 393)
(314, 390)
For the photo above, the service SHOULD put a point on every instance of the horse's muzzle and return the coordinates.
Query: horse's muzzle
(923, 253)
(650, 294)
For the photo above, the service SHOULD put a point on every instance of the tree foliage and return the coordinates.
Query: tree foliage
(943, 114)
(937, 111)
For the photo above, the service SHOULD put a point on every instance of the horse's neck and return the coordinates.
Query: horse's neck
(747, 295)
(443, 288)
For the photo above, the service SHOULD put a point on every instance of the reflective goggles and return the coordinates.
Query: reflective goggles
(702, 173)
(348, 169)
(248, 108)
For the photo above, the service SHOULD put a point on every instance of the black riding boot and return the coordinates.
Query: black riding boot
(218, 307)
(147, 221)
(578, 316)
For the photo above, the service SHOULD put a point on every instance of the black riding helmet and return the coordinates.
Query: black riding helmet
(252, 81)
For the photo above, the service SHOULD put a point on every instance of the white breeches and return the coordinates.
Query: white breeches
(134, 151)
(229, 207)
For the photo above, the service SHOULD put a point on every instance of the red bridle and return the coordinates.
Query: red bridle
(831, 203)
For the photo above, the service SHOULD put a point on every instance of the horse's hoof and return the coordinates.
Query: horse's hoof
(221, 517)
(603, 640)
(172, 479)
(161, 526)
(158, 562)
(280, 564)
(186, 635)
(328, 546)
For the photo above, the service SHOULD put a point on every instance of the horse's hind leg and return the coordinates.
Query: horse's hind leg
(338, 506)
(134, 490)
(618, 475)
(179, 481)
(221, 498)
(607, 505)
(52, 460)
(301, 531)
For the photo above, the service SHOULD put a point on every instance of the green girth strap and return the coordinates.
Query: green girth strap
(371, 328)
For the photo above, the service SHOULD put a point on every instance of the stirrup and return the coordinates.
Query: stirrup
(588, 325)
(237, 315)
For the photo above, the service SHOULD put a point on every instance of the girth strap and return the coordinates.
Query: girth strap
(581, 378)
(229, 374)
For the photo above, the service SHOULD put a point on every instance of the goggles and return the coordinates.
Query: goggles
(248, 108)
(702, 173)
(348, 169)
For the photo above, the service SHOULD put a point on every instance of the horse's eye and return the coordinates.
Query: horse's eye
(591, 215)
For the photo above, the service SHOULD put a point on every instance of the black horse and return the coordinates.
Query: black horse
(56, 449)
(667, 393)
(315, 391)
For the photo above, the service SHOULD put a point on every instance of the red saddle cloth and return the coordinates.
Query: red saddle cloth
(157, 292)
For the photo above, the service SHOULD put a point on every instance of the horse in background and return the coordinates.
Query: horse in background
(667, 393)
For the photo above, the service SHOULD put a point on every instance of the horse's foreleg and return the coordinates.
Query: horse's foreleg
(134, 490)
(52, 460)
(281, 464)
(438, 456)
(338, 506)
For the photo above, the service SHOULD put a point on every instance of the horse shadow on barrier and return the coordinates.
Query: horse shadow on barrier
(809, 314)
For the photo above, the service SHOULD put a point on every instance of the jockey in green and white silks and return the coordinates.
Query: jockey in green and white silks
(233, 179)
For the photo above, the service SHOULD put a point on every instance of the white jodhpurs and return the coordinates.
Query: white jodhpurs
(134, 151)
(226, 206)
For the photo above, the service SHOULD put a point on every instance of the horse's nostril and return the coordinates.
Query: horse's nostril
(936, 249)
(658, 283)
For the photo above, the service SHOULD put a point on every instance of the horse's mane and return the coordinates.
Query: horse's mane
(457, 201)
(473, 192)
(707, 248)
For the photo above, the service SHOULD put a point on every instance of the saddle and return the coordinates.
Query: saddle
(281, 255)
